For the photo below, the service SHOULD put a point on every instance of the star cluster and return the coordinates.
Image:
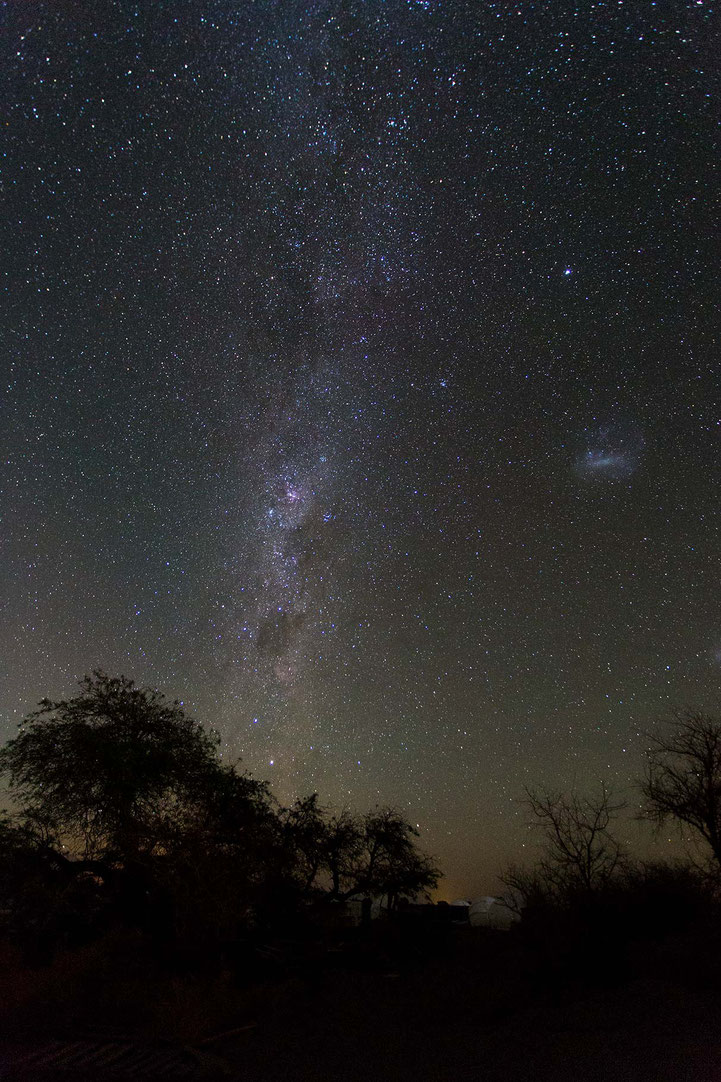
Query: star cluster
(359, 385)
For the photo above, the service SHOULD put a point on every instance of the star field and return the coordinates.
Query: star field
(360, 386)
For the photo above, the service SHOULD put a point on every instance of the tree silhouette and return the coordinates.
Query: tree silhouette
(580, 853)
(344, 855)
(218, 856)
(119, 784)
(125, 811)
(376, 854)
(683, 778)
(108, 770)
(305, 831)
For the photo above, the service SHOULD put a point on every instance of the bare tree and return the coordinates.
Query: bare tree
(527, 888)
(683, 778)
(579, 852)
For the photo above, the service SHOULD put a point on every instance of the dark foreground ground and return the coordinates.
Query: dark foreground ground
(465, 1004)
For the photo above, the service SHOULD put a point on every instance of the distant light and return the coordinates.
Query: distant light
(568, 271)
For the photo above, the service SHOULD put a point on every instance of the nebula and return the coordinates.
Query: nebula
(612, 452)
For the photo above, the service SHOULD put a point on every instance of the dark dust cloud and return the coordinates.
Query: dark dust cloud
(359, 385)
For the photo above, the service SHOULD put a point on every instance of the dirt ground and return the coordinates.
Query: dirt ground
(454, 1021)
(467, 1012)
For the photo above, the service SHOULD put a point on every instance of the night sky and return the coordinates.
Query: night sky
(360, 385)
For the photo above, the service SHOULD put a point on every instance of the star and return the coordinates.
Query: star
(294, 398)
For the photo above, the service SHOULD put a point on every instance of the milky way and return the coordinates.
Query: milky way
(361, 389)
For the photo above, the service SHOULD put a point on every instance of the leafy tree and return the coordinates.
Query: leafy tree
(390, 863)
(344, 855)
(376, 854)
(108, 770)
(119, 785)
(220, 855)
(126, 811)
(305, 830)
(683, 778)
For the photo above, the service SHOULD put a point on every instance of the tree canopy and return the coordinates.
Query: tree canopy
(118, 785)
(105, 769)
(346, 855)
